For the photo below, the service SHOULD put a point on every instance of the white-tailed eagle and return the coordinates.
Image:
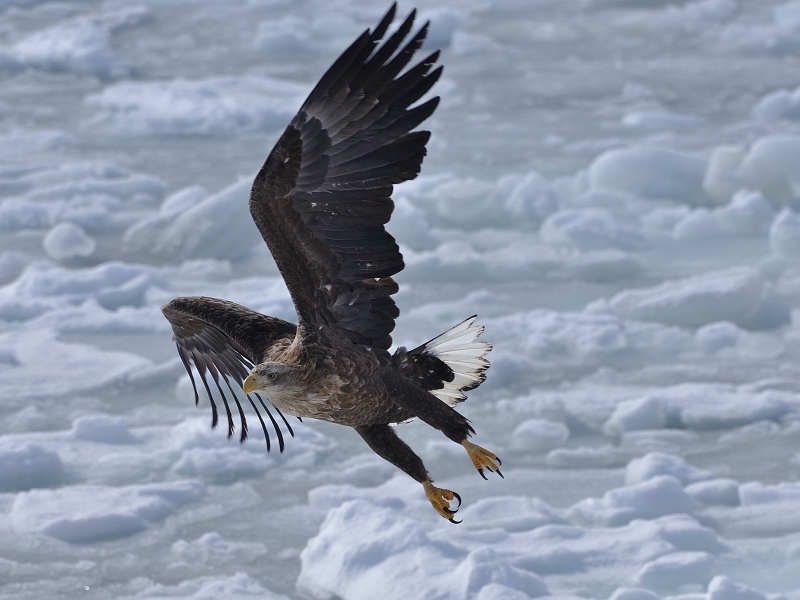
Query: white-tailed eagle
(321, 201)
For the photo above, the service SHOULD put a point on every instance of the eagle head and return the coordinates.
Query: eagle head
(268, 375)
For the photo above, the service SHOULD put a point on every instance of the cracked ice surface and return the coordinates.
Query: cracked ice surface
(612, 185)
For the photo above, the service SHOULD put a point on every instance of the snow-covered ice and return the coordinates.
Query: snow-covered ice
(204, 107)
(79, 514)
(67, 240)
(612, 185)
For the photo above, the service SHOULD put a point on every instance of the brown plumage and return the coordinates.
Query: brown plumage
(321, 201)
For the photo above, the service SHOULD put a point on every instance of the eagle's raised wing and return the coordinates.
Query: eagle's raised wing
(324, 193)
(224, 340)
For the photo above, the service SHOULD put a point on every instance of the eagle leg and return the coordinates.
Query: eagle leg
(482, 459)
(384, 442)
(426, 406)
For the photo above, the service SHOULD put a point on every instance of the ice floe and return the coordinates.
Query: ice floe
(732, 295)
(29, 466)
(612, 185)
(81, 45)
(651, 173)
(81, 514)
(67, 240)
(211, 106)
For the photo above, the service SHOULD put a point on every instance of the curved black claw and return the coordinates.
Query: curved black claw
(482, 474)
(452, 511)
(499, 462)
(499, 473)
(456, 522)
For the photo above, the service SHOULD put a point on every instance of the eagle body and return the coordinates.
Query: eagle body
(320, 202)
(332, 380)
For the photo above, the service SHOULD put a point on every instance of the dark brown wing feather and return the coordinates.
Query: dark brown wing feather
(323, 196)
(224, 340)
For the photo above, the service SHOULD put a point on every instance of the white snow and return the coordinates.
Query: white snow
(787, 14)
(732, 294)
(43, 287)
(396, 555)
(511, 513)
(654, 497)
(532, 199)
(203, 107)
(189, 226)
(674, 570)
(650, 173)
(539, 435)
(757, 493)
(29, 466)
(660, 120)
(22, 376)
(784, 234)
(345, 560)
(724, 588)
(771, 166)
(635, 415)
(238, 585)
(611, 185)
(294, 34)
(715, 491)
(632, 594)
(747, 214)
(66, 240)
(81, 45)
(654, 464)
(80, 514)
(780, 104)
(716, 336)
(721, 178)
(11, 265)
(102, 429)
(589, 229)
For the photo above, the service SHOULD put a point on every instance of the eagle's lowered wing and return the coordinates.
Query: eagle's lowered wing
(324, 194)
(224, 340)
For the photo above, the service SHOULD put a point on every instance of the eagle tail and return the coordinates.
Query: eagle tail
(458, 349)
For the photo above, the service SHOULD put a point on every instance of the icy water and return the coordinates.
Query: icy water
(611, 185)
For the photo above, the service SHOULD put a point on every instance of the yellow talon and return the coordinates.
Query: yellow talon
(482, 459)
(440, 500)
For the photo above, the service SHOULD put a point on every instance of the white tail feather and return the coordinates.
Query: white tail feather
(458, 349)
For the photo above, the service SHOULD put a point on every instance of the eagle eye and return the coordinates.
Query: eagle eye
(271, 376)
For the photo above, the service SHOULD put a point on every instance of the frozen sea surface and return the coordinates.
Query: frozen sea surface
(612, 185)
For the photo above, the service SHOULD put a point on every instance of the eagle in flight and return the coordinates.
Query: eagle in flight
(321, 201)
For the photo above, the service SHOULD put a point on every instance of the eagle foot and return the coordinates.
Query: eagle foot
(440, 500)
(482, 459)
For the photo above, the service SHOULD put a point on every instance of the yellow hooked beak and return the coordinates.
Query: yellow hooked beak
(250, 384)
